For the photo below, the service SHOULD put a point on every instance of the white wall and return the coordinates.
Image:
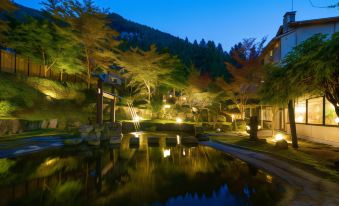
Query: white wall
(289, 41)
(321, 134)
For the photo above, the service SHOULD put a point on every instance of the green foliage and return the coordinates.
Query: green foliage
(312, 67)
(44, 42)
(6, 108)
(5, 165)
(67, 193)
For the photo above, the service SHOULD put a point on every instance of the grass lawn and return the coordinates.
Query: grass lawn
(319, 158)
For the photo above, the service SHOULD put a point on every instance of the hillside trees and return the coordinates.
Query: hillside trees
(44, 42)
(5, 6)
(90, 25)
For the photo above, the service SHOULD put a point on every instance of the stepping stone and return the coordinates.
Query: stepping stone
(153, 141)
(189, 141)
(134, 142)
(171, 141)
(72, 142)
(203, 137)
(115, 140)
(93, 142)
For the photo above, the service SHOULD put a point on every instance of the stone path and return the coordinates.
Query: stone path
(303, 188)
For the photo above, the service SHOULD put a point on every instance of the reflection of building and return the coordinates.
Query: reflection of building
(315, 116)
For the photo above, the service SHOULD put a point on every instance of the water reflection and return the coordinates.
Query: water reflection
(144, 170)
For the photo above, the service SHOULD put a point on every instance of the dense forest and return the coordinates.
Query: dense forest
(206, 56)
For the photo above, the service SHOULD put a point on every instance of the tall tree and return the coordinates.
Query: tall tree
(246, 73)
(43, 42)
(145, 69)
(5, 6)
(93, 33)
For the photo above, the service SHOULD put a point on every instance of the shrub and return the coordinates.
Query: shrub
(6, 108)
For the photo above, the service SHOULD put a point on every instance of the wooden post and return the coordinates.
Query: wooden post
(0, 59)
(100, 102)
(113, 105)
(15, 63)
(28, 66)
(292, 124)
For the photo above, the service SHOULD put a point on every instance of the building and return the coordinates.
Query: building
(315, 116)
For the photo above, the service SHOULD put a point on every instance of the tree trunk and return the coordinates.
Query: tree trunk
(292, 124)
(334, 99)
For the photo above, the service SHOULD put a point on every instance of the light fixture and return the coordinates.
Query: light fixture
(337, 120)
(170, 96)
(218, 130)
(178, 120)
(178, 139)
(279, 137)
(167, 153)
(259, 127)
(248, 127)
(137, 119)
(167, 106)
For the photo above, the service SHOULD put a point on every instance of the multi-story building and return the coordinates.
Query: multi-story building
(315, 116)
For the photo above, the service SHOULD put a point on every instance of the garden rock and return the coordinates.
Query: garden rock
(53, 123)
(282, 144)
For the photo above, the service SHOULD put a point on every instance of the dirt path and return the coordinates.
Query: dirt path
(303, 188)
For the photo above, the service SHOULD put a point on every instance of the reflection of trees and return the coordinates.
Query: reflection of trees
(133, 176)
(147, 177)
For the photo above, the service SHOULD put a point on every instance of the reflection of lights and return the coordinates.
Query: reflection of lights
(137, 119)
(178, 139)
(178, 120)
(300, 109)
(167, 106)
(50, 161)
(279, 137)
(337, 120)
(300, 119)
(136, 134)
(167, 153)
(269, 178)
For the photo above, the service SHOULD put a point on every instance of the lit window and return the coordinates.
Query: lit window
(315, 111)
(271, 53)
(330, 115)
(300, 112)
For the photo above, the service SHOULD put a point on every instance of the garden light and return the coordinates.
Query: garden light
(137, 119)
(167, 106)
(178, 139)
(178, 120)
(167, 153)
(279, 137)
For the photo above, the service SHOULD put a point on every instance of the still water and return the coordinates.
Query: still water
(155, 173)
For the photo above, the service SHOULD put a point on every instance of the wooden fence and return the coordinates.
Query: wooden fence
(12, 63)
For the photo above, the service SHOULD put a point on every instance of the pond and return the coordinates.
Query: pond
(154, 172)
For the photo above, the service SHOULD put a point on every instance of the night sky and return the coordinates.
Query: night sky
(224, 21)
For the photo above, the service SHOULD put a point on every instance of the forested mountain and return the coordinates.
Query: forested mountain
(207, 57)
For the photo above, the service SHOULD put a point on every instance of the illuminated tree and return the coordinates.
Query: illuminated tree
(91, 27)
(47, 44)
(145, 69)
(246, 73)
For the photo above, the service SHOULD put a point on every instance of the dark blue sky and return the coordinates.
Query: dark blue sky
(224, 21)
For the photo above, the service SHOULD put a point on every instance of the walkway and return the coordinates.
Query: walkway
(304, 188)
